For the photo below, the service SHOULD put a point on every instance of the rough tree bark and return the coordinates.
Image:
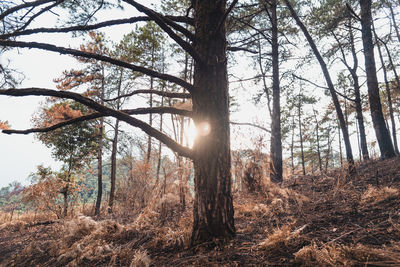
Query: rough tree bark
(213, 205)
(276, 138)
(388, 94)
(381, 132)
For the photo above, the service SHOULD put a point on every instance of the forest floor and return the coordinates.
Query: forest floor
(320, 220)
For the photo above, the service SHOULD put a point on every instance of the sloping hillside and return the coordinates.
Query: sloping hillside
(311, 221)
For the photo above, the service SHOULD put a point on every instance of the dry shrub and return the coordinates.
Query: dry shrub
(375, 195)
(14, 226)
(134, 191)
(341, 255)
(281, 238)
(85, 240)
(140, 259)
(252, 210)
(282, 199)
(253, 177)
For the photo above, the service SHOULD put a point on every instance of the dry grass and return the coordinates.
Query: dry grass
(343, 255)
(311, 221)
(375, 195)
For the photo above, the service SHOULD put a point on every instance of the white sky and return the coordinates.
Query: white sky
(21, 154)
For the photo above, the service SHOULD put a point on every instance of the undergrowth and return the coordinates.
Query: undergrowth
(321, 220)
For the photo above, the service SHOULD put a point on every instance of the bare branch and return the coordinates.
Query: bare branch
(39, 13)
(234, 49)
(250, 124)
(74, 52)
(22, 6)
(160, 93)
(353, 14)
(226, 14)
(105, 111)
(85, 27)
(161, 21)
(306, 80)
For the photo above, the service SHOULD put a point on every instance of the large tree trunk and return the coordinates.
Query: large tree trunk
(213, 204)
(325, 71)
(389, 95)
(381, 132)
(276, 139)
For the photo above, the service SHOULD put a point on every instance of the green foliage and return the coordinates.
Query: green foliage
(73, 144)
(10, 196)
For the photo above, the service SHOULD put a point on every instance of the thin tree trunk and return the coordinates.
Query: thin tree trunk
(356, 86)
(276, 139)
(100, 153)
(328, 152)
(318, 141)
(301, 137)
(148, 154)
(340, 148)
(381, 132)
(159, 147)
(292, 145)
(392, 65)
(389, 95)
(346, 138)
(113, 166)
(394, 21)
(358, 141)
(114, 151)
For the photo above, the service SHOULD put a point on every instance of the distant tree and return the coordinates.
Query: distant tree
(381, 132)
(327, 76)
(10, 198)
(73, 144)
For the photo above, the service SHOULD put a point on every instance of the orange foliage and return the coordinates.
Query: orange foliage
(60, 112)
(4, 125)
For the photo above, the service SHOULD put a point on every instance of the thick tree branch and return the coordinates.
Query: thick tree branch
(105, 111)
(234, 49)
(74, 52)
(223, 19)
(96, 115)
(77, 28)
(88, 27)
(160, 93)
(55, 126)
(159, 110)
(25, 5)
(43, 10)
(162, 22)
